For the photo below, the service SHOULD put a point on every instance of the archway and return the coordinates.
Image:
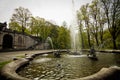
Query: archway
(7, 42)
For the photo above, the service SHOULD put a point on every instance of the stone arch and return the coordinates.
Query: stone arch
(7, 41)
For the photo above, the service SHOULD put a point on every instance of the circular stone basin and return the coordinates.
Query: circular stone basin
(68, 66)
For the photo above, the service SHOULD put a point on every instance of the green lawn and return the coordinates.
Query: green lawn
(3, 63)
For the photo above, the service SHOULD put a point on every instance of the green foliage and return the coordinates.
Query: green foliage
(3, 63)
(85, 40)
(20, 19)
(59, 35)
(15, 26)
(100, 23)
(112, 11)
(118, 41)
(23, 21)
(63, 39)
(37, 26)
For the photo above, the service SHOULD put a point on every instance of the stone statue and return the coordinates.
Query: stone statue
(3, 26)
(92, 52)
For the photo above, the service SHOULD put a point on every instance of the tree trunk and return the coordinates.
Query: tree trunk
(88, 33)
(89, 38)
(96, 39)
(101, 35)
(82, 38)
(114, 43)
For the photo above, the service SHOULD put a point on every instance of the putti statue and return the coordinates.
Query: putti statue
(57, 54)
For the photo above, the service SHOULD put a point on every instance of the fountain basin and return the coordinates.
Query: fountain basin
(111, 73)
(10, 73)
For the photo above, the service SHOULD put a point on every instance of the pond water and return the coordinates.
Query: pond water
(47, 67)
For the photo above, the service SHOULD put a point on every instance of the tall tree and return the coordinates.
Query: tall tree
(35, 25)
(79, 21)
(22, 17)
(85, 17)
(93, 10)
(112, 12)
(63, 38)
(101, 24)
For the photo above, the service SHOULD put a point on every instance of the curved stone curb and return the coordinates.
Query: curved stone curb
(8, 72)
(112, 73)
(106, 51)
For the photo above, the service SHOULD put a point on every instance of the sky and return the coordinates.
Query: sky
(51, 10)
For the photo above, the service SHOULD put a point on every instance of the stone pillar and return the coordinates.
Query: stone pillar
(14, 40)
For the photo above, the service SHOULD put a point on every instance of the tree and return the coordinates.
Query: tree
(34, 27)
(93, 10)
(63, 39)
(21, 17)
(15, 26)
(38, 26)
(79, 21)
(112, 12)
(101, 24)
(85, 17)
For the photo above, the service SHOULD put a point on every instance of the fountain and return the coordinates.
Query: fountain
(67, 67)
(74, 32)
(47, 67)
(49, 43)
(64, 66)
(92, 54)
(75, 38)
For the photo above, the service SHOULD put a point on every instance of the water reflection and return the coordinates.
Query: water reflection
(68, 66)
(41, 60)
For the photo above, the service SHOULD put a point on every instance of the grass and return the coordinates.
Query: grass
(3, 63)
(22, 56)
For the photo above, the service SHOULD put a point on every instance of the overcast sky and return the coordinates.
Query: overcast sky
(55, 10)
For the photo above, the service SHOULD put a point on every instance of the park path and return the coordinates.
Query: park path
(7, 56)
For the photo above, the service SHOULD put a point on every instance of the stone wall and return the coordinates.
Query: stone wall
(19, 40)
(29, 42)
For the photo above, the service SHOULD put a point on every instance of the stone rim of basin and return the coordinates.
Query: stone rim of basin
(9, 70)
